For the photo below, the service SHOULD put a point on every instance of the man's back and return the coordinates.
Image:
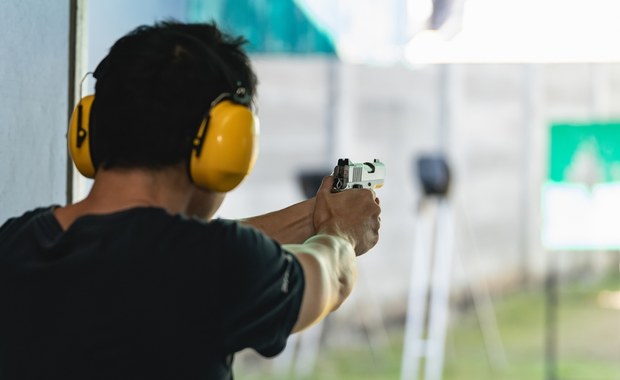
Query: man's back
(139, 294)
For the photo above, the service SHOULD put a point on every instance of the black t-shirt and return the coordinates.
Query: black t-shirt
(140, 294)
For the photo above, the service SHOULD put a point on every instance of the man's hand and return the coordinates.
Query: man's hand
(352, 214)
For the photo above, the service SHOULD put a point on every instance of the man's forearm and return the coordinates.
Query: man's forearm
(291, 225)
(328, 263)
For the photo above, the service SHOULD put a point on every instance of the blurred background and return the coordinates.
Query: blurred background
(510, 272)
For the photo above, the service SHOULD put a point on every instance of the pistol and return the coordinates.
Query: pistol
(367, 175)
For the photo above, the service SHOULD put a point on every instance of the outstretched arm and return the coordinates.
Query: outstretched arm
(347, 224)
(291, 225)
(328, 263)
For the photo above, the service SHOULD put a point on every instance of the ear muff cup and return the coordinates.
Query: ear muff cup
(78, 137)
(223, 153)
(225, 148)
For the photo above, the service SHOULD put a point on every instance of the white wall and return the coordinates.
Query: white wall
(34, 53)
(108, 20)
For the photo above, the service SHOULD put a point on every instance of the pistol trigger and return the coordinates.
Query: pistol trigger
(337, 183)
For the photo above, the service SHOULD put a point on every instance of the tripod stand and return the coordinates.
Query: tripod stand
(429, 294)
(425, 338)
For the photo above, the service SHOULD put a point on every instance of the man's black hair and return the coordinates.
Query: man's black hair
(155, 86)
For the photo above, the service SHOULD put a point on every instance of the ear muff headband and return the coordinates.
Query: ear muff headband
(79, 137)
(225, 148)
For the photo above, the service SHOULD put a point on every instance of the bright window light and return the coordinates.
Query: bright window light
(537, 31)
(491, 31)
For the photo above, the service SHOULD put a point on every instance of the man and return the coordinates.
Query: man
(136, 281)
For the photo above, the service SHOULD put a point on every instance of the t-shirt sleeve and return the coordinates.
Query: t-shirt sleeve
(262, 291)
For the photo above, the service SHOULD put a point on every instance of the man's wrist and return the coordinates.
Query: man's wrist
(337, 239)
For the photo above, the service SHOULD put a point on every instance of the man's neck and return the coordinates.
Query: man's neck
(120, 189)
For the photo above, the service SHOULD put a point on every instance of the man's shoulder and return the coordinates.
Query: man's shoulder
(19, 220)
(187, 231)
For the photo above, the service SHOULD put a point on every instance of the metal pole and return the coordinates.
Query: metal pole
(444, 111)
(332, 107)
(413, 345)
(551, 316)
(73, 19)
(440, 295)
(529, 116)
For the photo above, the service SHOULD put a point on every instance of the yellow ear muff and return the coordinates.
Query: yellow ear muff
(223, 157)
(78, 137)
